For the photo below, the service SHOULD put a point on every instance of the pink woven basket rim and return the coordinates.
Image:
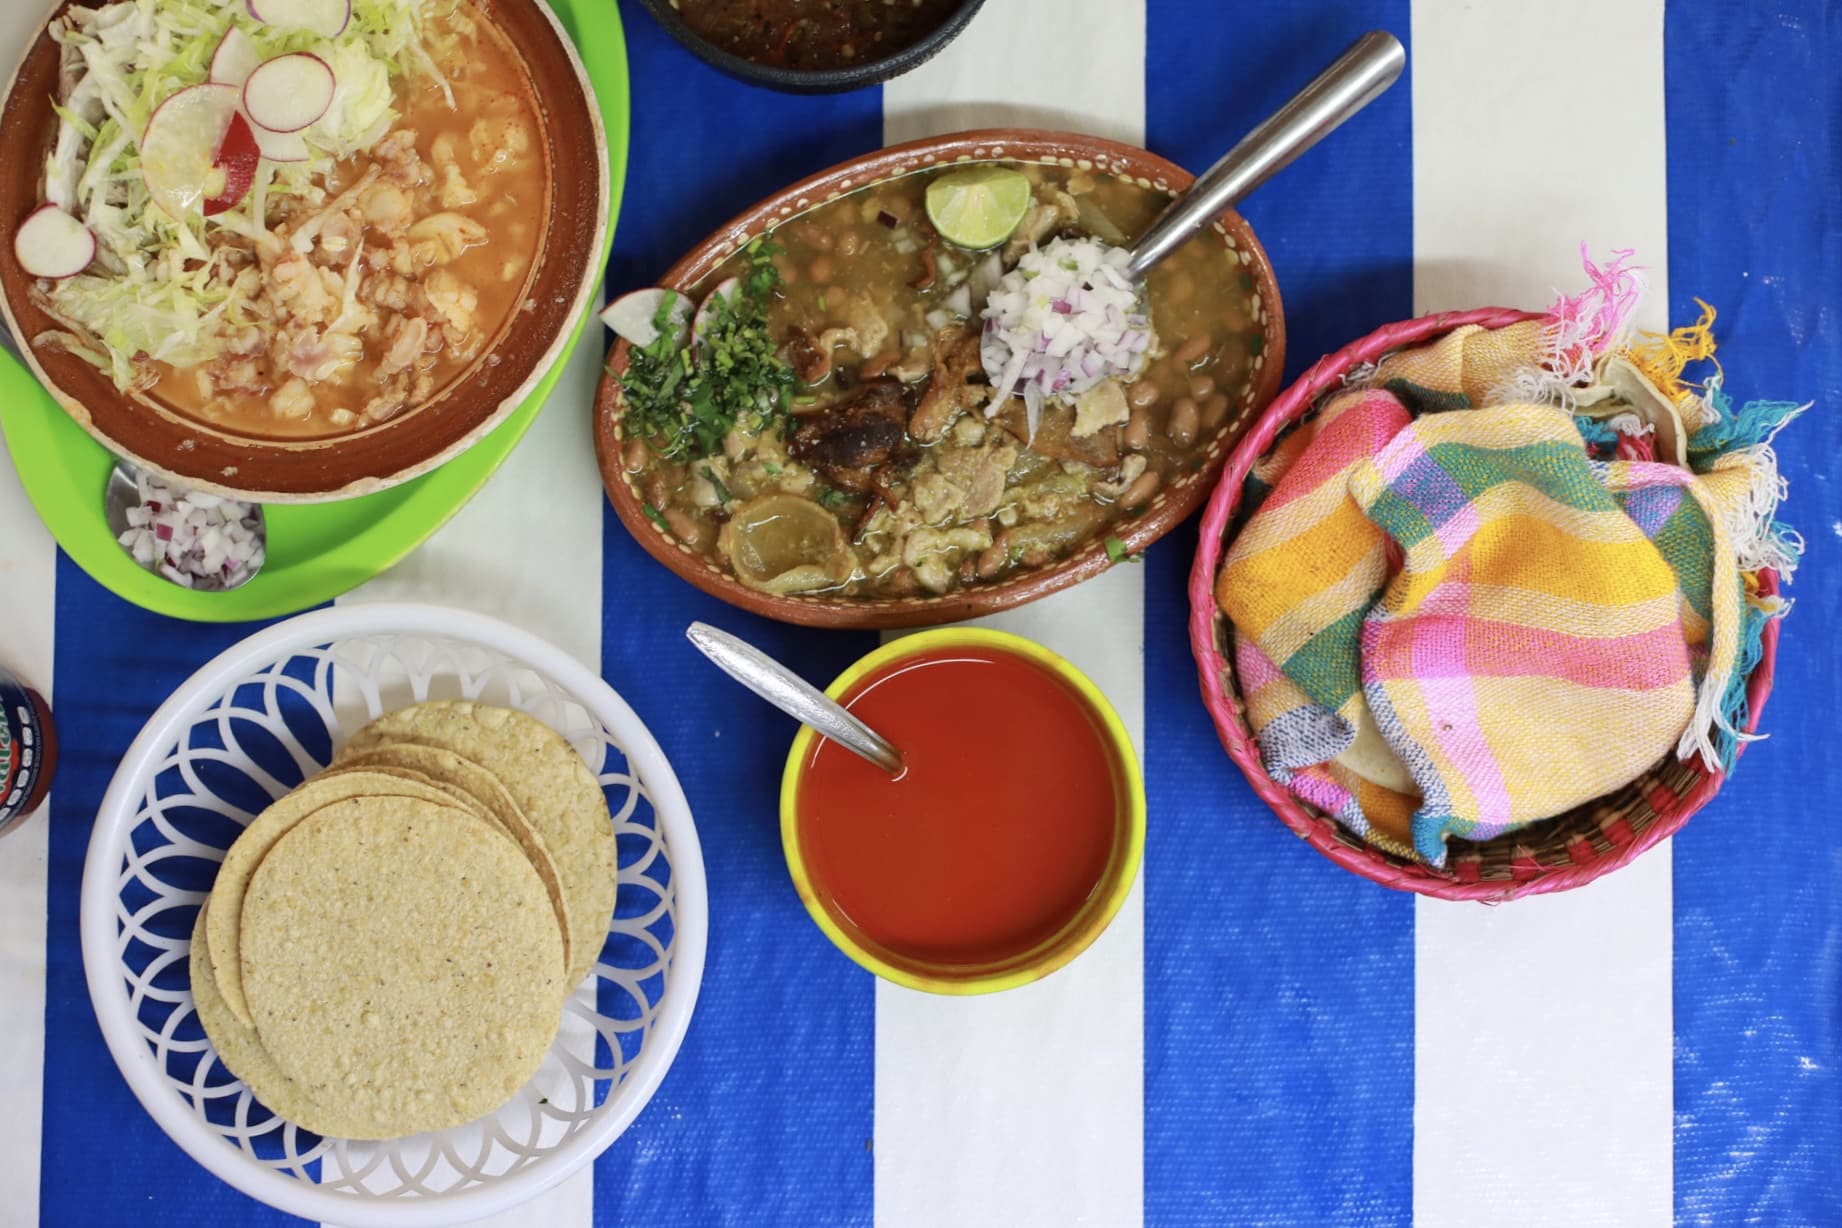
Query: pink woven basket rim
(1321, 831)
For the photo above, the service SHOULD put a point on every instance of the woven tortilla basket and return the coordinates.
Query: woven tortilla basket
(1555, 855)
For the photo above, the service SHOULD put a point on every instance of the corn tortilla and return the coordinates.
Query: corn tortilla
(549, 782)
(238, 1047)
(465, 779)
(403, 965)
(223, 930)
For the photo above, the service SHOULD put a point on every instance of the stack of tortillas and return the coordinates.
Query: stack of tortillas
(386, 950)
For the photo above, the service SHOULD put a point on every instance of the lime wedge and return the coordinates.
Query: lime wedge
(978, 207)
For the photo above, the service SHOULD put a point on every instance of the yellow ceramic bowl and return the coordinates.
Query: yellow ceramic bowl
(1052, 953)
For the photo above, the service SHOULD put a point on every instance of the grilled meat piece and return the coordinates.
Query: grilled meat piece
(848, 441)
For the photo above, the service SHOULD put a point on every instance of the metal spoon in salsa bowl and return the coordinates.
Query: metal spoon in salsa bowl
(793, 695)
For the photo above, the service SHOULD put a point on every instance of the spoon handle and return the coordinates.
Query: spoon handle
(1372, 63)
(792, 694)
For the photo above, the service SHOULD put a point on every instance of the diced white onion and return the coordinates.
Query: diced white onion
(188, 535)
(1060, 322)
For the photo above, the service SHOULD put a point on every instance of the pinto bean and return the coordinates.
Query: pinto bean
(1143, 394)
(813, 235)
(849, 244)
(1193, 348)
(635, 455)
(1214, 412)
(659, 484)
(1182, 425)
(1182, 289)
(1139, 493)
(994, 557)
(1202, 386)
(820, 270)
(1138, 430)
(689, 529)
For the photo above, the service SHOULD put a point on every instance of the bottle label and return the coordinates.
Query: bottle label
(21, 750)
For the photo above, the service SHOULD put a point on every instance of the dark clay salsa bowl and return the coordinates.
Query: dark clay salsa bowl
(1174, 501)
(283, 470)
(814, 80)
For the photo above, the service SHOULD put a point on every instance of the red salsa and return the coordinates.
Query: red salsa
(997, 833)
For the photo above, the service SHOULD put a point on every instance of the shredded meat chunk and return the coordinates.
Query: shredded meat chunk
(949, 389)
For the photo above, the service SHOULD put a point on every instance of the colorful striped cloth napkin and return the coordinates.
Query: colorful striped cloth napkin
(1459, 610)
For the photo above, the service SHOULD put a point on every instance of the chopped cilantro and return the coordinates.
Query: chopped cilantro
(833, 498)
(1116, 552)
(722, 491)
(653, 514)
(688, 408)
(770, 468)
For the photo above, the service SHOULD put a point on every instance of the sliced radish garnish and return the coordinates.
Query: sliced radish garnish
(235, 59)
(727, 289)
(289, 92)
(181, 148)
(51, 243)
(237, 160)
(634, 315)
(327, 18)
(281, 146)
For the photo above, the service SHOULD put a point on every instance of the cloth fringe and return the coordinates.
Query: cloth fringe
(1663, 357)
(1580, 328)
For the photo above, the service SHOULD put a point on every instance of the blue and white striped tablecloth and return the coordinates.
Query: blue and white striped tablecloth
(1260, 1038)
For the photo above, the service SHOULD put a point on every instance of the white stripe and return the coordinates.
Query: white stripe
(28, 574)
(1027, 1107)
(528, 550)
(1543, 1070)
(28, 571)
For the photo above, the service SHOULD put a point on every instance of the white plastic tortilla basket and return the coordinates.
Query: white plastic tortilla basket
(248, 727)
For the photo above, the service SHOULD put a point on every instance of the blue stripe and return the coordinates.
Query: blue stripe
(1278, 988)
(104, 1161)
(1755, 224)
(766, 1117)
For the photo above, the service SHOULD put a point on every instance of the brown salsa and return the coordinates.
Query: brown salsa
(810, 34)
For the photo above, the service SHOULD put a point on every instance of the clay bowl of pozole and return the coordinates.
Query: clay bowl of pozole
(298, 251)
(912, 389)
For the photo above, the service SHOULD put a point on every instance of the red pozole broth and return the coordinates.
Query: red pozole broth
(997, 833)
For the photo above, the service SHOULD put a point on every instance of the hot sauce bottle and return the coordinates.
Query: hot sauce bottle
(28, 750)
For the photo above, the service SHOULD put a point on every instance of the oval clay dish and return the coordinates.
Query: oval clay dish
(1173, 502)
(273, 470)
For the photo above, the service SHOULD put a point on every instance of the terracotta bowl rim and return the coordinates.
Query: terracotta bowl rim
(986, 144)
(584, 295)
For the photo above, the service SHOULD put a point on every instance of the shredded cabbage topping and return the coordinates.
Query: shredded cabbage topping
(155, 289)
